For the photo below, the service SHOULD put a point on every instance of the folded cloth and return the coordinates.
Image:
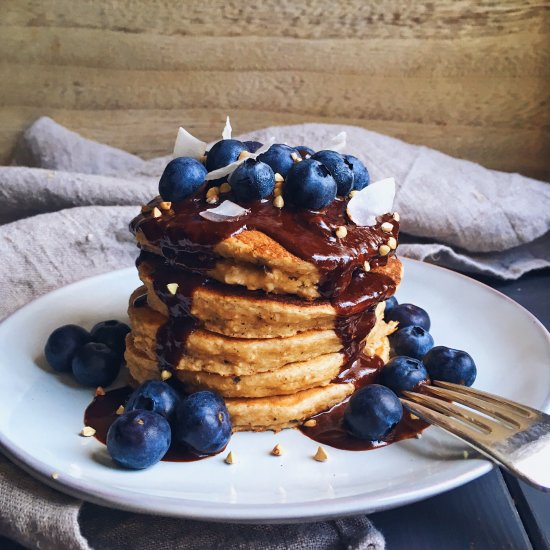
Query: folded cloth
(65, 217)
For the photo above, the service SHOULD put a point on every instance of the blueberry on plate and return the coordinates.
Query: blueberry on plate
(403, 374)
(156, 396)
(372, 412)
(339, 169)
(252, 180)
(224, 152)
(450, 365)
(411, 341)
(112, 333)
(391, 302)
(309, 185)
(305, 152)
(138, 439)
(95, 364)
(62, 344)
(203, 423)
(408, 315)
(181, 178)
(361, 176)
(252, 146)
(279, 157)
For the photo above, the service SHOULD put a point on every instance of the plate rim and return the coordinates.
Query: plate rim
(245, 513)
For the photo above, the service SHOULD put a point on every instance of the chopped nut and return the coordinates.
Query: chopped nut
(414, 417)
(120, 410)
(278, 177)
(244, 154)
(172, 288)
(146, 208)
(366, 266)
(295, 157)
(396, 216)
(278, 191)
(392, 243)
(165, 205)
(229, 459)
(99, 391)
(225, 187)
(87, 431)
(140, 421)
(156, 213)
(384, 250)
(55, 475)
(165, 375)
(321, 455)
(277, 450)
(213, 191)
(341, 231)
(278, 202)
(310, 423)
(213, 199)
(353, 193)
(387, 227)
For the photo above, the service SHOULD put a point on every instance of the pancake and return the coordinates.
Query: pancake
(247, 315)
(286, 380)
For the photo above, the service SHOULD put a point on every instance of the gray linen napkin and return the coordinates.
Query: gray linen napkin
(66, 218)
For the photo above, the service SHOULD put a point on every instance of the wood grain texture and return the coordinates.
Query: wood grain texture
(470, 78)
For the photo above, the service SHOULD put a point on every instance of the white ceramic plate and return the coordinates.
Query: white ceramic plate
(41, 416)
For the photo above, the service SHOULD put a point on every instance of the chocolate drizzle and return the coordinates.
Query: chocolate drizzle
(188, 241)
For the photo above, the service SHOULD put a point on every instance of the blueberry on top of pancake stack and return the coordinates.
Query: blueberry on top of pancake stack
(265, 269)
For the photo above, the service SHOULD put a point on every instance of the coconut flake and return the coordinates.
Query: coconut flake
(188, 146)
(374, 200)
(226, 134)
(337, 143)
(230, 168)
(225, 212)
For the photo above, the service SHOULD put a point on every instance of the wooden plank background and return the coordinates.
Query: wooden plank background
(468, 77)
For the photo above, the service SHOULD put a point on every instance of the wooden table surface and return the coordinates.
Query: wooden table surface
(470, 78)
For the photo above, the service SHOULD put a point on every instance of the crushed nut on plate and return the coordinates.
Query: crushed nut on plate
(366, 266)
(120, 410)
(277, 450)
(321, 455)
(392, 243)
(172, 288)
(310, 423)
(87, 431)
(165, 205)
(384, 250)
(278, 202)
(341, 231)
(387, 227)
(165, 375)
(156, 213)
(229, 459)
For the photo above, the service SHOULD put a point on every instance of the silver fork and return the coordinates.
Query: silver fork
(515, 436)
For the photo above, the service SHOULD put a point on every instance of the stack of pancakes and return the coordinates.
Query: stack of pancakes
(262, 335)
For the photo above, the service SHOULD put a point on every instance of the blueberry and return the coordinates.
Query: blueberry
(111, 333)
(450, 365)
(339, 169)
(95, 364)
(252, 180)
(372, 412)
(309, 185)
(279, 157)
(181, 178)
(305, 152)
(62, 344)
(224, 152)
(138, 439)
(252, 146)
(203, 422)
(403, 373)
(361, 177)
(156, 396)
(411, 341)
(390, 304)
(408, 315)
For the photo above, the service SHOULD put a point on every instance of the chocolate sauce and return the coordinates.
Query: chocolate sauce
(330, 429)
(101, 413)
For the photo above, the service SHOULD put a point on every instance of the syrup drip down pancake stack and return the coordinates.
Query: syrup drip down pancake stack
(258, 291)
